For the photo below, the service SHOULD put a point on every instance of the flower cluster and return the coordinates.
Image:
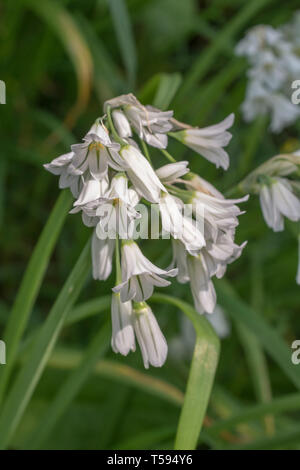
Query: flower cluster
(277, 183)
(273, 55)
(110, 174)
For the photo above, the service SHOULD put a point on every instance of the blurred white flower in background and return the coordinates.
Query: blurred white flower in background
(274, 60)
(277, 183)
(182, 345)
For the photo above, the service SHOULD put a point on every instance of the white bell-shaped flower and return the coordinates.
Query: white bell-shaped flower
(209, 141)
(102, 257)
(97, 153)
(122, 340)
(139, 275)
(141, 173)
(153, 345)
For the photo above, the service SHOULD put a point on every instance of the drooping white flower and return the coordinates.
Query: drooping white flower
(278, 200)
(68, 177)
(180, 226)
(92, 189)
(218, 213)
(209, 141)
(151, 124)
(116, 211)
(97, 153)
(153, 345)
(139, 275)
(141, 173)
(121, 123)
(257, 39)
(180, 261)
(170, 173)
(219, 253)
(219, 322)
(122, 340)
(102, 257)
(257, 101)
(202, 287)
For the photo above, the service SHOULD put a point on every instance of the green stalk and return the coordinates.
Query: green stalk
(145, 150)
(31, 283)
(28, 377)
(112, 128)
(168, 155)
(201, 376)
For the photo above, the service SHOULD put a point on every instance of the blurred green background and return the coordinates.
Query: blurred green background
(60, 61)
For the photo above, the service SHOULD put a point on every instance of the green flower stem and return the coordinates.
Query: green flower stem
(118, 263)
(28, 377)
(145, 150)
(112, 128)
(30, 284)
(168, 156)
(202, 372)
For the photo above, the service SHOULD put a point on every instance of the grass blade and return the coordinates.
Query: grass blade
(30, 284)
(70, 388)
(29, 375)
(125, 38)
(62, 23)
(270, 340)
(276, 406)
(202, 372)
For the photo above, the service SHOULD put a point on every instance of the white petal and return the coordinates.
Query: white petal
(141, 173)
(169, 173)
(285, 200)
(298, 269)
(270, 212)
(152, 342)
(121, 123)
(102, 253)
(90, 192)
(122, 340)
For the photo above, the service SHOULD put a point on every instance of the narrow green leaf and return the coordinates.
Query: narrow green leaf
(201, 376)
(271, 341)
(88, 309)
(280, 440)
(167, 88)
(253, 139)
(208, 96)
(108, 80)
(205, 61)
(66, 359)
(276, 406)
(58, 18)
(125, 38)
(30, 284)
(70, 388)
(28, 377)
